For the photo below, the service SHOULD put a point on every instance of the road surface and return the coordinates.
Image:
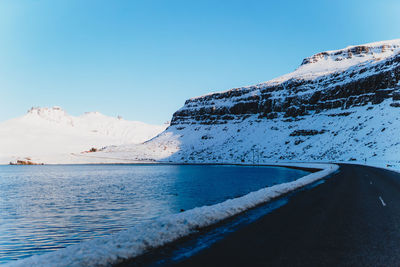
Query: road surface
(353, 219)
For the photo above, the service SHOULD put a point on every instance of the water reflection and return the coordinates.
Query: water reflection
(44, 208)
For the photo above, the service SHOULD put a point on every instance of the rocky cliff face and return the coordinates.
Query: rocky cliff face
(338, 105)
(373, 78)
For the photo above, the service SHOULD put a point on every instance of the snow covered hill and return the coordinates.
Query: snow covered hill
(341, 105)
(50, 135)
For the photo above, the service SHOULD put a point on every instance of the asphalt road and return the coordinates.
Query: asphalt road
(353, 219)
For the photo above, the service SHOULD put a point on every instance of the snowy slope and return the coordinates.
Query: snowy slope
(49, 135)
(338, 105)
(363, 134)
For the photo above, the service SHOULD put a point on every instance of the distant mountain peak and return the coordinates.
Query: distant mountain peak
(50, 134)
(41, 110)
(54, 114)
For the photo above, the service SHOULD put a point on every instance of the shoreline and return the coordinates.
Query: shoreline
(289, 165)
(166, 253)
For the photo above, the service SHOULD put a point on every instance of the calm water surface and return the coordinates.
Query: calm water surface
(44, 208)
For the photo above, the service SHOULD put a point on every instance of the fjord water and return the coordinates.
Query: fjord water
(44, 208)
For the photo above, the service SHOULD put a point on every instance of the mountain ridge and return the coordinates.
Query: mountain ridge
(392, 47)
(345, 113)
(51, 134)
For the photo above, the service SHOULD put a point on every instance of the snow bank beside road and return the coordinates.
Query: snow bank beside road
(136, 240)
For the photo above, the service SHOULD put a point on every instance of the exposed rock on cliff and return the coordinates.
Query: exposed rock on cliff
(372, 79)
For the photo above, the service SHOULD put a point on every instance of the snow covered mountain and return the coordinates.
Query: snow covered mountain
(341, 105)
(50, 135)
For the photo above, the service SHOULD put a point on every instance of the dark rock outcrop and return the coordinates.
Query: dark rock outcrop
(359, 85)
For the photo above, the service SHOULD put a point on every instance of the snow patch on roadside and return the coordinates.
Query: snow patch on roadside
(137, 240)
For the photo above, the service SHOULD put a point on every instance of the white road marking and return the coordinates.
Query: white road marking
(370, 182)
(383, 202)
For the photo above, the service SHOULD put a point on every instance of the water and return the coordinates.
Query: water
(44, 208)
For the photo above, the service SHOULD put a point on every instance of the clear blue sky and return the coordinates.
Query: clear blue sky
(143, 59)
